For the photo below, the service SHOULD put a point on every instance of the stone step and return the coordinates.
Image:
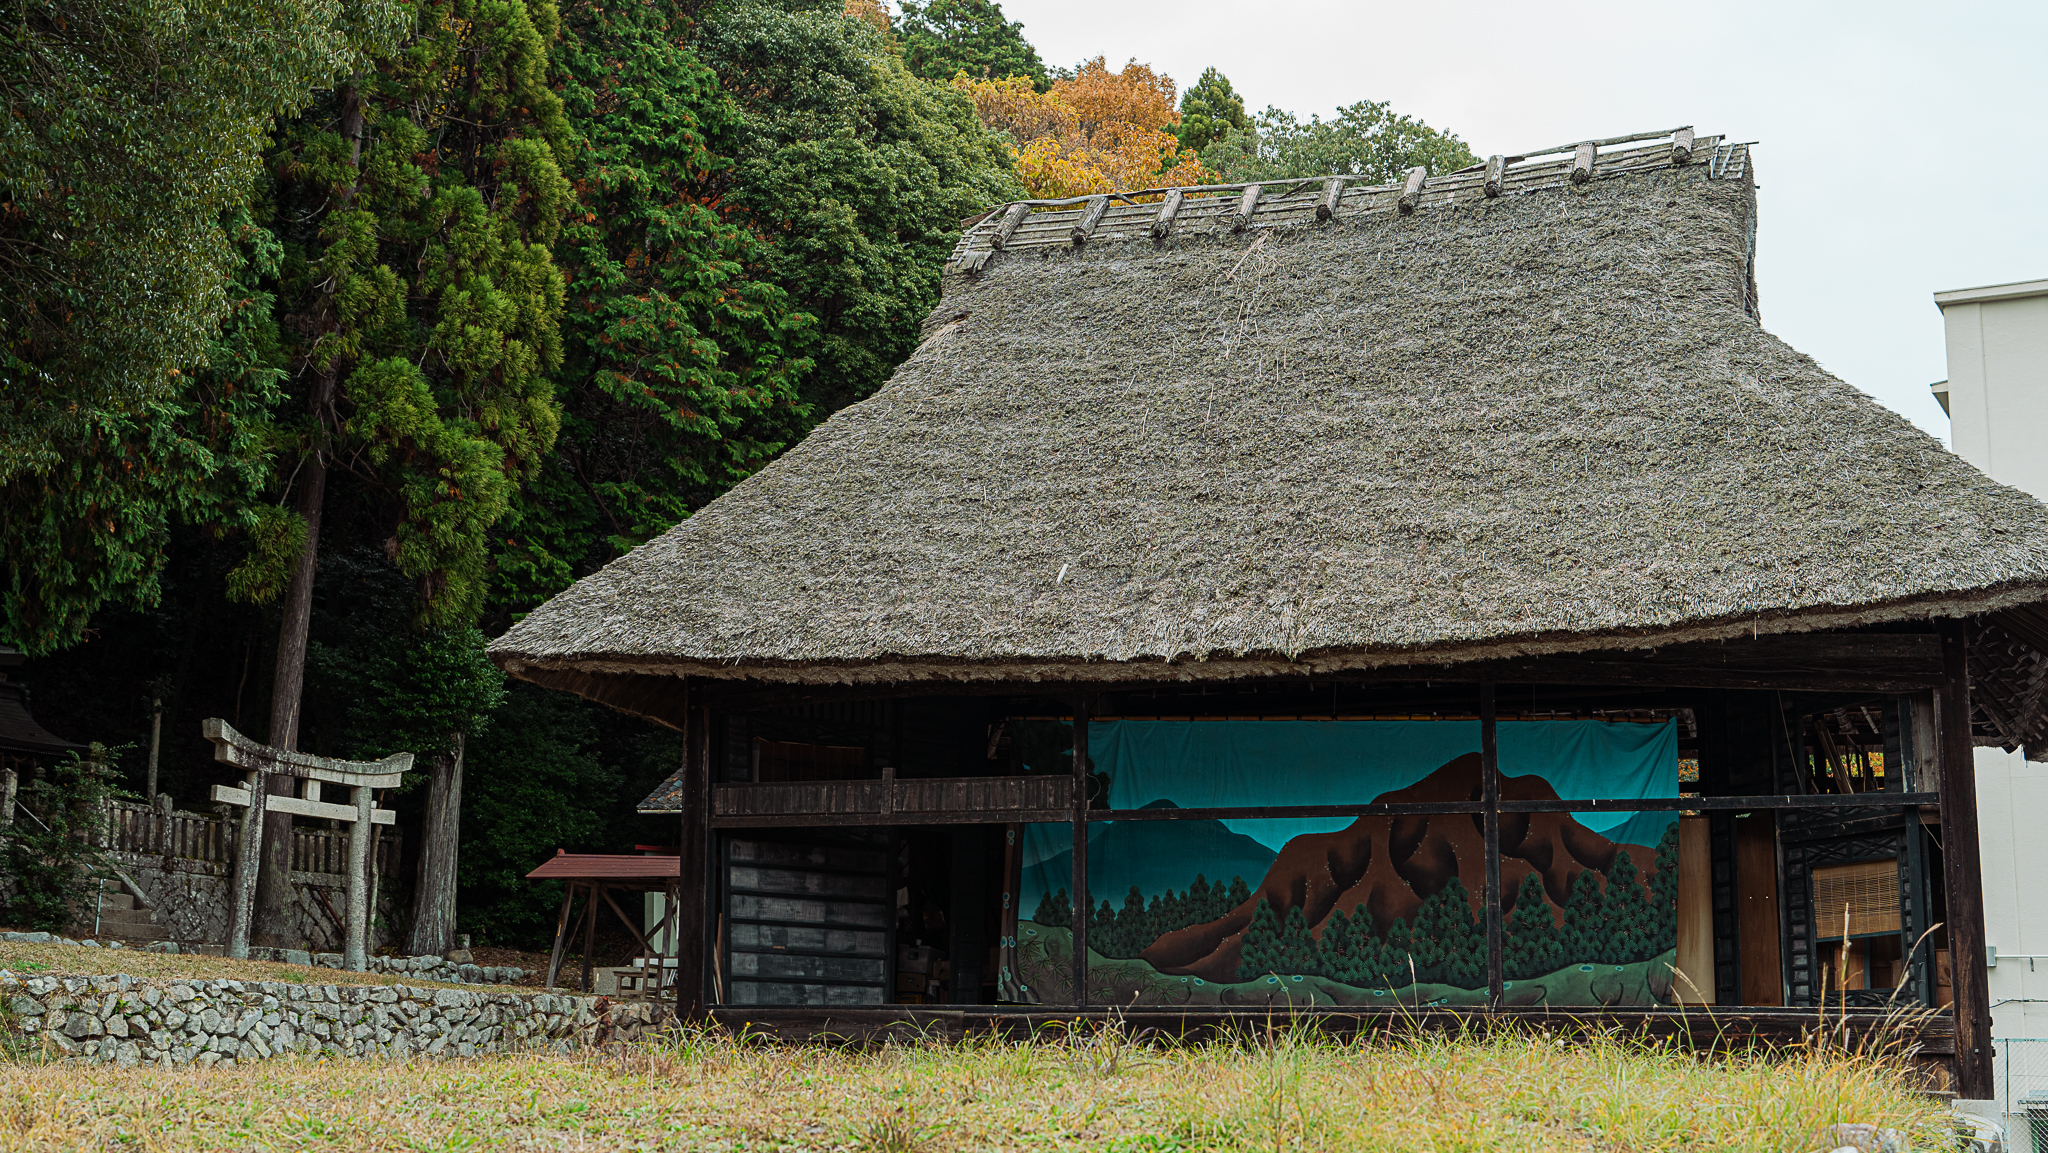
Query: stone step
(133, 934)
(120, 917)
(116, 901)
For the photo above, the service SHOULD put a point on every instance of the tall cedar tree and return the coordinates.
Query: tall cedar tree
(681, 368)
(1210, 110)
(427, 192)
(855, 172)
(944, 38)
(132, 128)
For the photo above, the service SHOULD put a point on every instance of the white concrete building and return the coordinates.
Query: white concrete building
(1996, 396)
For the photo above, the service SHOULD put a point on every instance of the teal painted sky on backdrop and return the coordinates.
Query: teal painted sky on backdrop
(1205, 764)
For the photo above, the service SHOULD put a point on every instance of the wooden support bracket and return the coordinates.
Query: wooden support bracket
(1008, 227)
(1333, 191)
(1085, 228)
(1411, 189)
(1168, 209)
(1681, 147)
(1582, 162)
(1496, 171)
(1246, 205)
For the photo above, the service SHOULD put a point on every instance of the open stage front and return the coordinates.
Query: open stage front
(1719, 865)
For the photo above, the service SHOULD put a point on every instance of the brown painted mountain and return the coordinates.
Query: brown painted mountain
(1389, 865)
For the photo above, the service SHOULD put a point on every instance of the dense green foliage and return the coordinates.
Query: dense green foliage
(131, 127)
(944, 38)
(1364, 139)
(857, 175)
(50, 854)
(92, 528)
(1210, 110)
(682, 362)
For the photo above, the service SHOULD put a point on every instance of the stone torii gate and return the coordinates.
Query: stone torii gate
(259, 763)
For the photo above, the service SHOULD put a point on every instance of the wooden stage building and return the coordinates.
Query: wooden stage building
(1395, 604)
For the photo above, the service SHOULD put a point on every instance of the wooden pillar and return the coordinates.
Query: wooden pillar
(596, 888)
(561, 935)
(1083, 904)
(8, 785)
(1962, 872)
(354, 952)
(248, 858)
(1489, 778)
(699, 873)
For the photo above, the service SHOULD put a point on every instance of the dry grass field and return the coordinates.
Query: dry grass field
(1100, 1090)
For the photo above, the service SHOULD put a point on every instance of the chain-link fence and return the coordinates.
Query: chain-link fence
(2021, 1064)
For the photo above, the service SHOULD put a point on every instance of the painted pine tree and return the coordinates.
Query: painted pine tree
(1583, 931)
(1237, 895)
(1260, 951)
(1102, 929)
(1625, 914)
(1130, 925)
(1397, 966)
(1533, 944)
(1337, 950)
(1664, 893)
(1197, 910)
(1297, 945)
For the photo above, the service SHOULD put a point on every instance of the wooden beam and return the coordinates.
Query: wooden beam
(1008, 226)
(1333, 192)
(1681, 147)
(1962, 873)
(1085, 227)
(1760, 803)
(1582, 162)
(1489, 779)
(991, 816)
(693, 894)
(1168, 209)
(1083, 906)
(1496, 172)
(590, 933)
(1411, 189)
(1246, 205)
(301, 807)
(562, 923)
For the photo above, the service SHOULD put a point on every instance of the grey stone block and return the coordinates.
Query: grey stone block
(297, 957)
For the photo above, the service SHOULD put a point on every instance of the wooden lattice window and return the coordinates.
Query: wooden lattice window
(1868, 890)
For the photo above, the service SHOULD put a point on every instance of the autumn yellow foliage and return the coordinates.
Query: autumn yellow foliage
(1100, 131)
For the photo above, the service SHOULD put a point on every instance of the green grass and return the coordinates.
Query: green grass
(1090, 1089)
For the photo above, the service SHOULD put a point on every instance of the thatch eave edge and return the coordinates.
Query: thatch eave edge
(917, 669)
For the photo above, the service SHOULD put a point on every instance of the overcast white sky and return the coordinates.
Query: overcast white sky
(1901, 146)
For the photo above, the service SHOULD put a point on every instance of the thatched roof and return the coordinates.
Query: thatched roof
(1541, 421)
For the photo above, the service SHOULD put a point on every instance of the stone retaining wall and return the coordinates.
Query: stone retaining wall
(124, 1021)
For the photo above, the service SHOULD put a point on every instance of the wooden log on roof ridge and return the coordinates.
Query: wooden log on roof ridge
(1011, 219)
(1246, 205)
(1681, 147)
(1333, 191)
(1582, 162)
(1411, 188)
(1496, 170)
(1086, 227)
(1168, 209)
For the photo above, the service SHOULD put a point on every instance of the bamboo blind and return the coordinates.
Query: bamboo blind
(1869, 890)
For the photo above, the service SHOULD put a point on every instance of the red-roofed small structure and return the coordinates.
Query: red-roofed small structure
(596, 875)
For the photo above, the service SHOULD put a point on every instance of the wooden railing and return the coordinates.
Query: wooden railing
(133, 828)
(933, 801)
